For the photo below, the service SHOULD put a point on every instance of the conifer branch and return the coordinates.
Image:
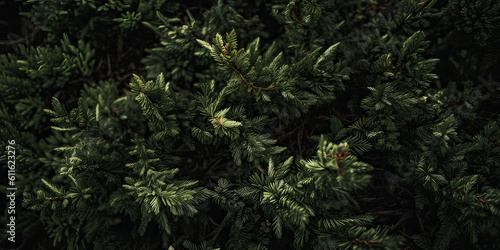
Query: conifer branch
(148, 154)
(243, 78)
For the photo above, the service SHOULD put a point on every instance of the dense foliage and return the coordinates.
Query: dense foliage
(271, 124)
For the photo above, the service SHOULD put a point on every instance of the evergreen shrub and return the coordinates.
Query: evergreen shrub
(269, 124)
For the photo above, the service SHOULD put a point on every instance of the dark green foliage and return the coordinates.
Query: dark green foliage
(152, 124)
(28, 80)
(479, 19)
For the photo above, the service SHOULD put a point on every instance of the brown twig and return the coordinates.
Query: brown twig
(420, 222)
(485, 201)
(13, 41)
(364, 242)
(218, 121)
(250, 86)
(242, 77)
